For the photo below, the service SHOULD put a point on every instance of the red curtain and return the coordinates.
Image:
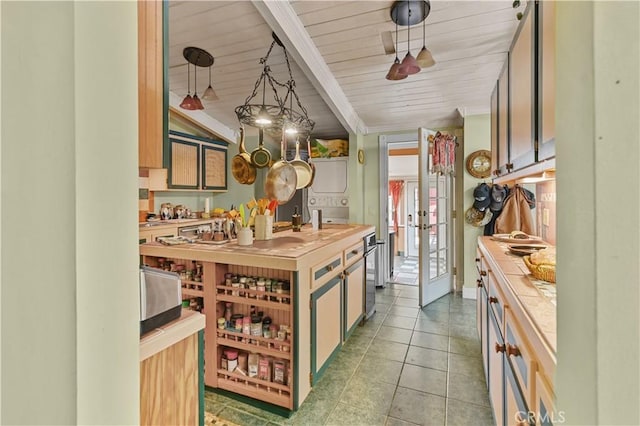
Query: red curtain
(395, 189)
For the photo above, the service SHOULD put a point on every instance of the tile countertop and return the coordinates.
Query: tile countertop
(287, 250)
(537, 298)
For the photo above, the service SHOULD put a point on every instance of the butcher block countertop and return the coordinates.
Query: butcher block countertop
(157, 340)
(287, 250)
(532, 300)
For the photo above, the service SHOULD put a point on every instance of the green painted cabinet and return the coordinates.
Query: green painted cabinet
(196, 163)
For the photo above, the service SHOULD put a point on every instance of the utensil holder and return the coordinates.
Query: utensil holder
(245, 237)
(264, 227)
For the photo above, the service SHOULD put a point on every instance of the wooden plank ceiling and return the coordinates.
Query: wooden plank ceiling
(468, 39)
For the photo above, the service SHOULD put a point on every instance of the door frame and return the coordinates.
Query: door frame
(383, 216)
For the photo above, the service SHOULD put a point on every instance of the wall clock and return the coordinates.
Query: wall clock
(479, 164)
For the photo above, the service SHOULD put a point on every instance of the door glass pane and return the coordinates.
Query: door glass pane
(442, 261)
(416, 206)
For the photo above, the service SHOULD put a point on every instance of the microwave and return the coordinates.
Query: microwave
(160, 298)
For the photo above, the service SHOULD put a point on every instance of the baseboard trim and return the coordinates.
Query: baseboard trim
(469, 293)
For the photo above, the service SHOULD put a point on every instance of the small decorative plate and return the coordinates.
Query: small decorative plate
(525, 249)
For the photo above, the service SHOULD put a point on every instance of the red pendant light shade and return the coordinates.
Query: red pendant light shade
(199, 58)
(410, 12)
(187, 102)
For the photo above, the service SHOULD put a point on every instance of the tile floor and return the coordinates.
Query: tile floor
(405, 270)
(404, 366)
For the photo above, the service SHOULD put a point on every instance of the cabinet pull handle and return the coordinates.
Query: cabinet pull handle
(329, 267)
(354, 251)
(509, 166)
(477, 259)
(479, 282)
(346, 273)
(483, 273)
(493, 299)
(513, 350)
(499, 348)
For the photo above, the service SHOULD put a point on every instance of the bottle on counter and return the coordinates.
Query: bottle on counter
(296, 220)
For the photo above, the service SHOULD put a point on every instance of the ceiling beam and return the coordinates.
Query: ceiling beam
(284, 21)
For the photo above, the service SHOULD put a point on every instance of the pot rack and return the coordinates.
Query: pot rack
(279, 115)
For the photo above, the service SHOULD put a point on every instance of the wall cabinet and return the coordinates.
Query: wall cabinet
(523, 101)
(521, 94)
(150, 84)
(502, 147)
(196, 163)
(546, 79)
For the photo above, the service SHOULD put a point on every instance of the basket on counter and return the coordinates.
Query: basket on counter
(543, 272)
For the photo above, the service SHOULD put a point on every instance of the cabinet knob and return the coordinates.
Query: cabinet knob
(513, 350)
(509, 166)
(346, 273)
(499, 348)
(483, 273)
(354, 251)
(493, 299)
(329, 267)
(477, 259)
(479, 282)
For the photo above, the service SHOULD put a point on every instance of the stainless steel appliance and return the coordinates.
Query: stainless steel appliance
(160, 298)
(371, 271)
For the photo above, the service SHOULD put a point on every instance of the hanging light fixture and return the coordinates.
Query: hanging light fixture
(187, 102)
(274, 117)
(210, 94)
(199, 58)
(409, 65)
(425, 58)
(394, 73)
(407, 13)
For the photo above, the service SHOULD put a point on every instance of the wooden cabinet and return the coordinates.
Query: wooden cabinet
(495, 364)
(326, 325)
(523, 101)
(546, 79)
(544, 409)
(196, 163)
(325, 270)
(353, 290)
(171, 371)
(502, 147)
(150, 84)
(515, 355)
(521, 94)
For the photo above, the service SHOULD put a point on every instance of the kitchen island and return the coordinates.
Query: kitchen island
(319, 300)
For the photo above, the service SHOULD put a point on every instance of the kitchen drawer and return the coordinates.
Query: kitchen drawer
(353, 253)
(520, 355)
(478, 259)
(496, 299)
(325, 270)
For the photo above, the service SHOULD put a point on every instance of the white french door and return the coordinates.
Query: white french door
(412, 229)
(435, 226)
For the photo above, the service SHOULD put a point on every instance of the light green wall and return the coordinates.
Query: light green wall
(598, 239)
(69, 284)
(477, 135)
